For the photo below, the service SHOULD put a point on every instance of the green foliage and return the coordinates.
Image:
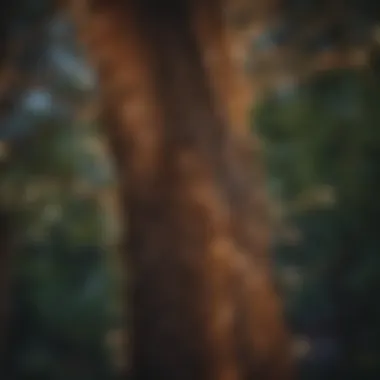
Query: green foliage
(62, 289)
(323, 151)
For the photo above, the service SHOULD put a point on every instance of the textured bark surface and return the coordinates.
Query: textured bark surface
(202, 298)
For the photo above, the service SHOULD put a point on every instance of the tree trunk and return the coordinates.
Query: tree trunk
(202, 298)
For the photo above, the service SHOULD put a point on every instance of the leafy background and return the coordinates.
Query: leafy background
(319, 123)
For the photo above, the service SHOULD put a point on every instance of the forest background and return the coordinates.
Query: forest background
(316, 75)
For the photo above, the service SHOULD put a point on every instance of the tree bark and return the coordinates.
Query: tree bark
(192, 193)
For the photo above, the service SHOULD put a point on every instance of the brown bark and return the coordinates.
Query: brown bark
(202, 298)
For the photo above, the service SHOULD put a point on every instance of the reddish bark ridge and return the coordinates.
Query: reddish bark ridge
(202, 299)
